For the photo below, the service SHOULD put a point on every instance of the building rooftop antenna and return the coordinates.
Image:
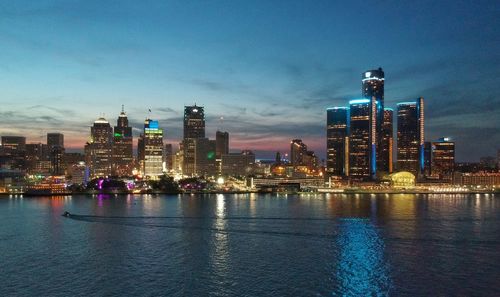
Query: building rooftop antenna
(221, 123)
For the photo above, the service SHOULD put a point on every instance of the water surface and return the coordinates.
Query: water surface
(251, 245)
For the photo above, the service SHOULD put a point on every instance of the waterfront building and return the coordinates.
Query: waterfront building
(402, 180)
(477, 179)
(238, 164)
(37, 159)
(386, 143)
(194, 128)
(443, 159)
(151, 149)
(337, 142)
(79, 174)
(410, 137)
(57, 160)
(98, 151)
(204, 163)
(362, 139)
(123, 156)
(55, 144)
(372, 83)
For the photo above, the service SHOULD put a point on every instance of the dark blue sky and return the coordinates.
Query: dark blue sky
(270, 68)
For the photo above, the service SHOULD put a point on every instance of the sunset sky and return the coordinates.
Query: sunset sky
(269, 68)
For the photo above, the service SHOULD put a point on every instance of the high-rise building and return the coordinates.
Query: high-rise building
(298, 150)
(194, 128)
(37, 159)
(337, 142)
(372, 83)
(98, 151)
(373, 86)
(205, 157)
(443, 159)
(169, 156)
(55, 143)
(55, 139)
(194, 122)
(386, 143)
(14, 152)
(151, 150)
(222, 144)
(13, 144)
(123, 156)
(362, 139)
(57, 160)
(410, 133)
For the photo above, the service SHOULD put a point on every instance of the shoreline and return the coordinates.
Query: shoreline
(348, 192)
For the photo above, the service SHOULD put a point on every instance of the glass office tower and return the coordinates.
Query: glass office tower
(337, 143)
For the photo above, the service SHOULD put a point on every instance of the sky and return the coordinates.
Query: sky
(269, 68)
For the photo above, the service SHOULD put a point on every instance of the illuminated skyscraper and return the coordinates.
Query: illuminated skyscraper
(443, 159)
(194, 128)
(373, 84)
(98, 150)
(337, 142)
(123, 157)
(151, 150)
(194, 122)
(410, 146)
(362, 139)
(384, 157)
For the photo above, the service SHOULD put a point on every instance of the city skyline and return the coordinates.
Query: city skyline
(71, 63)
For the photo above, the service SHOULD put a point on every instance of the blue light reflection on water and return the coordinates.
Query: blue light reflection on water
(361, 269)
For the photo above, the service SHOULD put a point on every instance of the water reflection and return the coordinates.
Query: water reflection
(361, 269)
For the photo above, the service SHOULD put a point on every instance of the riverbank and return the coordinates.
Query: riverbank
(323, 191)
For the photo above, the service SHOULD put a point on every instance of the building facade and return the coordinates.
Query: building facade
(240, 164)
(123, 156)
(386, 143)
(194, 128)
(410, 137)
(98, 151)
(362, 139)
(205, 164)
(443, 159)
(222, 144)
(151, 149)
(337, 141)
